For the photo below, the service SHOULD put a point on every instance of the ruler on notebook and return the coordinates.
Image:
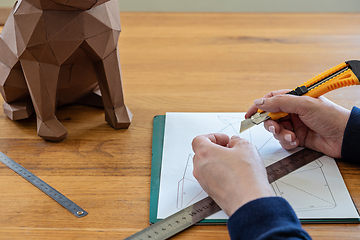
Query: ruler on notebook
(204, 208)
(43, 186)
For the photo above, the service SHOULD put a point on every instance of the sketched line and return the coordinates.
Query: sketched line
(334, 204)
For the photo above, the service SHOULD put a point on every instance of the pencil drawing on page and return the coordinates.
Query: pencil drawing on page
(315, 194)
(315, 191)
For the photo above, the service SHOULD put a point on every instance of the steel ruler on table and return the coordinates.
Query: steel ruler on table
(204, 208)
(43, 186)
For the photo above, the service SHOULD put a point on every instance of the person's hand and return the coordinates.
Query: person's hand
(316, 123)
(231, 171)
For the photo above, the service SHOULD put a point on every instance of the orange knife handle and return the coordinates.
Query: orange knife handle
(345, 79)
(324, 75)
(277, 115)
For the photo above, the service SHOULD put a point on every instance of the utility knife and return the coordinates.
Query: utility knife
(342, 75)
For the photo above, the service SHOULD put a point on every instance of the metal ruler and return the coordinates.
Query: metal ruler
(43, 186)
(189, 216)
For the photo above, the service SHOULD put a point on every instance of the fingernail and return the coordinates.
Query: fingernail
(235, 136)
(260, 101)
(293, 143)
(272, 129)
(287, 137)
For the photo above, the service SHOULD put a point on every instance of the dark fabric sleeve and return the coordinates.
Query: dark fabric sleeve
(266, 218)
(350, 150)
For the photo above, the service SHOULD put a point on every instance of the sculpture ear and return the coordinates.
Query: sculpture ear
(78, 4)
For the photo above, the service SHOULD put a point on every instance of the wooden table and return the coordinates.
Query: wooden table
(194, 62)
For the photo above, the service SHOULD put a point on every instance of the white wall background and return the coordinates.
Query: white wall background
(233, 5)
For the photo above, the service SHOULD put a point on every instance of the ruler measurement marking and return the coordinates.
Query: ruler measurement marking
(43, 186)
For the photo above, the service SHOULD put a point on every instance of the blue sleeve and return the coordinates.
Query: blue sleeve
(266, 218)
(350, 149)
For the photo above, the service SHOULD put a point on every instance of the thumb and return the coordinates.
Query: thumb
(209, 140)
(299, 105)
(236, 140)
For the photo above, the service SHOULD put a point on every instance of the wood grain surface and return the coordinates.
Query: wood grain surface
(171, 62)
(4, 13)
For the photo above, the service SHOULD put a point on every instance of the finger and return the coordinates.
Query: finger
(218, 138)
(236, 140)
(287, 103)
(289, 146)
(272, 126)
(300, 129)
(277, 92)
(286, 138)
(288, 125)
(210, 139)
(253, 109)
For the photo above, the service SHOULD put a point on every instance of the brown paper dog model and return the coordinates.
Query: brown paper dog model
(56, 52)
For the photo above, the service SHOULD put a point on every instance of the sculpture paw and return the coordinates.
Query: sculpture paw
(51, 130)
(18, 110)
(118, 118)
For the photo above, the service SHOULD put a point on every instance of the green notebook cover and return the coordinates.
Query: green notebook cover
(157, 150)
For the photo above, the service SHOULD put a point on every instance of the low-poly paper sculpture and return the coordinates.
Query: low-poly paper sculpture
(56, 52)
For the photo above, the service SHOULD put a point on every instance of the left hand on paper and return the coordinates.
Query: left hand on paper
(231, 171)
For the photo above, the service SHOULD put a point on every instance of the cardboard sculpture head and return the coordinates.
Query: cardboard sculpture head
(65, 4)
(56, 52)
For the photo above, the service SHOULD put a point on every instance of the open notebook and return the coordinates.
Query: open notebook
(316, 191)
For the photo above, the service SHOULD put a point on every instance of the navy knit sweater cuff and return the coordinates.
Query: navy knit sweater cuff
(266, 218)
(350, 150)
